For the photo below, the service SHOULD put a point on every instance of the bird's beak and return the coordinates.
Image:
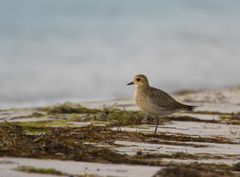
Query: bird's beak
(130, 83)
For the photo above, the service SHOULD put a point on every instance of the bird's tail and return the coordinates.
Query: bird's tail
(188, 107)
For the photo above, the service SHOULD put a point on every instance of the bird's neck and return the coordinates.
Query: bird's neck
(138, 93)
(142, 88)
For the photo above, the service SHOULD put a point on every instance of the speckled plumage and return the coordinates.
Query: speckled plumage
(153, 101)
(156, 102)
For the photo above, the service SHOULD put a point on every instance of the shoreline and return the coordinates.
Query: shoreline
(115, 132)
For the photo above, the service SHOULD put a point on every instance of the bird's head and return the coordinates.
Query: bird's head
(140, 81)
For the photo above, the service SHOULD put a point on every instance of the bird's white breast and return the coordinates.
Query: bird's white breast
(140, 100)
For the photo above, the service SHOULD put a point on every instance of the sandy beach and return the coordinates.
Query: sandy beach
(112, 138)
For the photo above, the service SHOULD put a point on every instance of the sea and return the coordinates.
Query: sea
(52, 51)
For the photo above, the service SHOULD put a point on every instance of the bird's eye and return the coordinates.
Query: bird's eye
(138, 79)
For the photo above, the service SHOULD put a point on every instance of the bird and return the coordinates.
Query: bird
(155, 102)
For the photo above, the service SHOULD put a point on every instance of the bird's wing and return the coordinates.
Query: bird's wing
(162, 99)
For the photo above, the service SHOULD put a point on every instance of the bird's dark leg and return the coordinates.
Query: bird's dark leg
(155, 132)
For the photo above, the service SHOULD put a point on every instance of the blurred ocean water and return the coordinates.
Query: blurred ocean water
(58, 50)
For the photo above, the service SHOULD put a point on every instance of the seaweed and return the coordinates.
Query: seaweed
(233, 118)
(60, 143)
(112, 116)
(49, 171)
(192, 119)
(117, 117)
(236, 167)
(187, 138)
(69, 108)
(196, 170)
(210, 112)
(70, 143)
(30, 169)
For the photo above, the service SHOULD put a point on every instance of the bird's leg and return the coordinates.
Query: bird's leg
(155, 132)
(145, 118)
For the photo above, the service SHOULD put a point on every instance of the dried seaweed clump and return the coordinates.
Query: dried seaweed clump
(30, 169)
(69, 108)
(50, 171)
(117, 117)
(196, 170)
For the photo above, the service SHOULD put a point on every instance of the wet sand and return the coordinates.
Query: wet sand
(211, 136)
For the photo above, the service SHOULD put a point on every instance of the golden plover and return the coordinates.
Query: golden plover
(155, 102)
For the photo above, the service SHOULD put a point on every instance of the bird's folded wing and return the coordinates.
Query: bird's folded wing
(162, 99)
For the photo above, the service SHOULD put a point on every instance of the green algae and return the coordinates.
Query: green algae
(210, 113)
(233, 118)
(49, 123)
(36, 114)
(115, 117)
(49, 171)
(77, 112)
(118, 117)
(69, 108)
